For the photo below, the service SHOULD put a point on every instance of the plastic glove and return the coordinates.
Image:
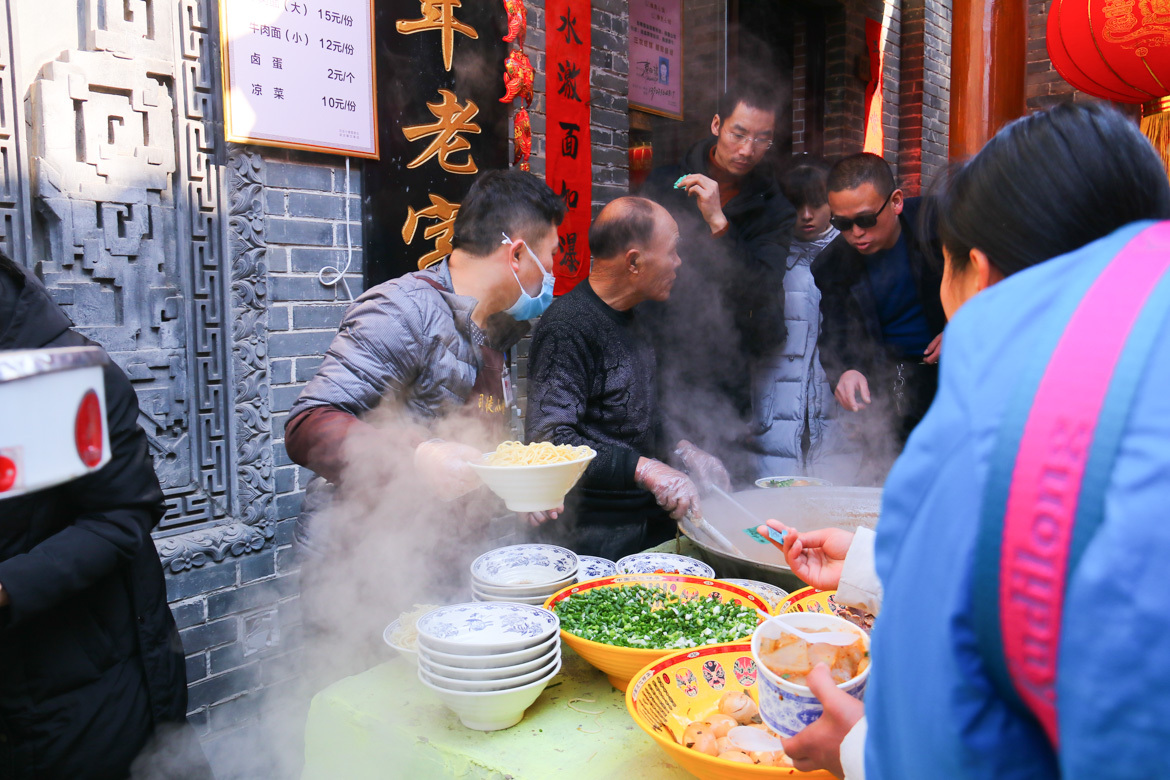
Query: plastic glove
(704, 468)
(443, 467)
(672, 489)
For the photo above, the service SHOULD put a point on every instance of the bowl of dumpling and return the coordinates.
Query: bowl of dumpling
(701, 707)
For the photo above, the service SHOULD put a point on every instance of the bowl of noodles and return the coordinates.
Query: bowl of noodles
(533, 477)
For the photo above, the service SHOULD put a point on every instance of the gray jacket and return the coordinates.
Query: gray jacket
(402, 341)
(789, 389)
(405, 340)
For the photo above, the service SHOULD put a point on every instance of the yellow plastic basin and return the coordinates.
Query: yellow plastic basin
(621, 663)
(686, 685)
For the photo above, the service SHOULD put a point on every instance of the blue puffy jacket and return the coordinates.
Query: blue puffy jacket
(932, 710)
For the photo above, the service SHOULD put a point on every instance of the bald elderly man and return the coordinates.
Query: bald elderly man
(593, 381)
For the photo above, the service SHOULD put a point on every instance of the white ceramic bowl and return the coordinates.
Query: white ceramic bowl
(491, 710)
(494, 673)
(492, 661)
(524, 566)
(522, 590)
(786, 707)
(454, 684)
(388, 638)
(664, 563)
(591, 567)
(765, 590)
(485, 628)
(532, 601)
(532, 488)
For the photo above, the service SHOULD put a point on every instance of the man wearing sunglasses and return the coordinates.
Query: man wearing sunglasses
(882, 320)
(727, 307)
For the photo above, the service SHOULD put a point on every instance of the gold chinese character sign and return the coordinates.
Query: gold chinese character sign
(452, 119)
(443, 212)
(439, 15)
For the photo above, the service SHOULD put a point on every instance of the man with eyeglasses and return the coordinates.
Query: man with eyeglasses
(727, 307)
(882, 320)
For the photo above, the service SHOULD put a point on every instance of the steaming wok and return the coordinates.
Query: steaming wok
(803, 508)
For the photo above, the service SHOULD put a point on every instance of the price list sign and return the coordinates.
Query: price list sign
(299, 74)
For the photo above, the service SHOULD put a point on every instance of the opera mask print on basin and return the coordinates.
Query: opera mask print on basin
(714, 675)
(744, 670)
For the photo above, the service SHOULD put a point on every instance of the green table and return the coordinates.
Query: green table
(384, 723)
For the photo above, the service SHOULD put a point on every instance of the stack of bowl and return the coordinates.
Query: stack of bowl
(523, 573)
(488, 662)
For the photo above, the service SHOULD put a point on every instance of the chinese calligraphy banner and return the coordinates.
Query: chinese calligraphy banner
(656, 64)
(569, 159)
(300, 74)
(441, 124)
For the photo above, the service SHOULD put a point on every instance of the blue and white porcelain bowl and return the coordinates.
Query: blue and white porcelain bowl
(786, 707)
(593, 567)
(524, 566)
(765, 590)
(663, 563)
(485, 628)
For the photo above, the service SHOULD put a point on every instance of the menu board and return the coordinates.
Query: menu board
(299, 74)
(656, 63)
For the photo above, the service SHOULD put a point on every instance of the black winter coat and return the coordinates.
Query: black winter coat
(851, 331)
(90, 659)
(727, 305)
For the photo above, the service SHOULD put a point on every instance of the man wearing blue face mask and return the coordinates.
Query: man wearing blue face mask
(426, 351)
(475, 303)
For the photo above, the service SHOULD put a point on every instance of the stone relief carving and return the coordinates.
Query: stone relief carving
(13, 198)
(126, 156)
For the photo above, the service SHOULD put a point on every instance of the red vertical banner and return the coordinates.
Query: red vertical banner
(874, 45)
(568, 155)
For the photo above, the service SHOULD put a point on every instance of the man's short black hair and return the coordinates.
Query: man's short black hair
(624, 224)
(508, 201)
(806, 182)
(851, 172)
(753, 94)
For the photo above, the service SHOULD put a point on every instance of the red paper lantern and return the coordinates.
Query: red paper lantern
(1115, 49)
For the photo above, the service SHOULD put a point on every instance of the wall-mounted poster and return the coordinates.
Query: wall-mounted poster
(300, 74)
(656, 62)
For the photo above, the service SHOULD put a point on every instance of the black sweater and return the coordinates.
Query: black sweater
(592, 381)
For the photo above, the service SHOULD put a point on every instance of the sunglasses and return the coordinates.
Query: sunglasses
(863, 221)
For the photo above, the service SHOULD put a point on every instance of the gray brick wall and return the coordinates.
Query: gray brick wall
(240, 619)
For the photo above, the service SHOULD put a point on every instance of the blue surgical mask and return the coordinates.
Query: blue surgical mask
(527, 307)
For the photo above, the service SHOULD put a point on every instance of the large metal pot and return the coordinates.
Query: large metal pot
(803, 508)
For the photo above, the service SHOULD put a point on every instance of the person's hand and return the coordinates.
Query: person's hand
(444, 468)
(817, 557)
(705, 191)
(933, 350)
(704, 467)
(851, 384)
(672, 489)
(3, 597)
(537, 519)
(818, 746)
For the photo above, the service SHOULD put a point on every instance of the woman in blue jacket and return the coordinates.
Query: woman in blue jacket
(1072, 184)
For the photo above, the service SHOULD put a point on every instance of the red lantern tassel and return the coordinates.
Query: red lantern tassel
(1156, 127)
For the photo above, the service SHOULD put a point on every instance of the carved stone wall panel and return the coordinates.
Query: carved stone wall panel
(13, 225)
(127, 169)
